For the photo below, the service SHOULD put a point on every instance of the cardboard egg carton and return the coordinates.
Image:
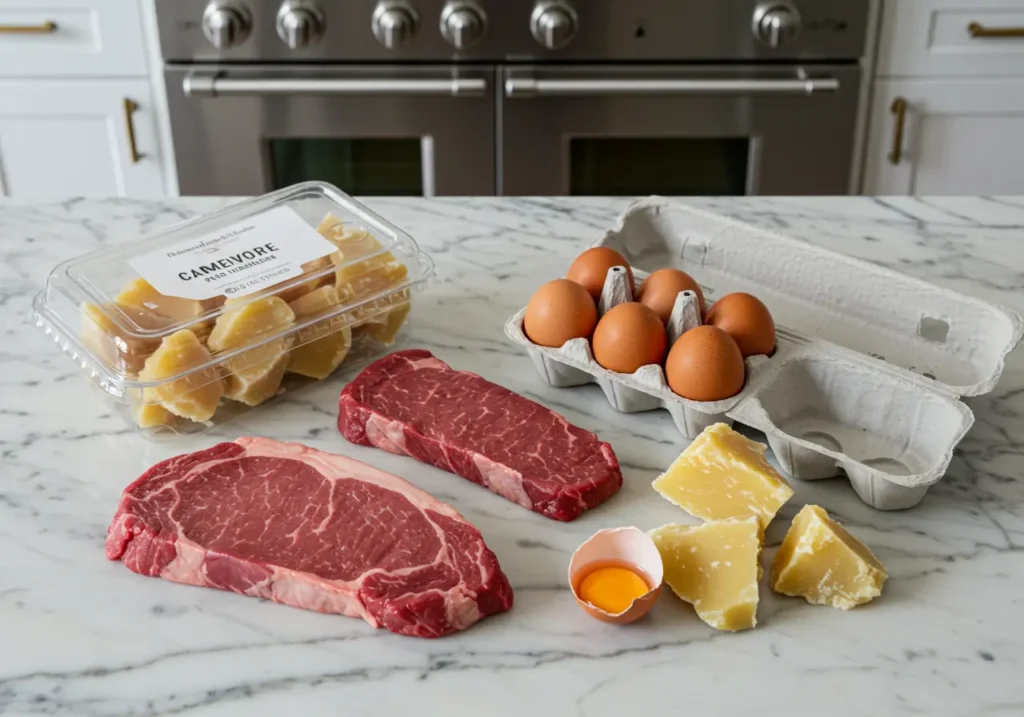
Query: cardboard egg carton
(574, 365)
(868, 371)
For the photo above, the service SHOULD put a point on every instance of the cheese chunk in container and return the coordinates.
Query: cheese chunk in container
(219, 314)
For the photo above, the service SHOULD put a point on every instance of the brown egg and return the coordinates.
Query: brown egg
(558, 311)
(705, 364)
(747, 320)
(591, 267)
(629, 336)
(660, 289)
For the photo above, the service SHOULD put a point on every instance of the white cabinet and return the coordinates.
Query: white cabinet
(63, 138)
(71, 37)
(947, 109)
(959, 137)
(952, 38)
(78, 115)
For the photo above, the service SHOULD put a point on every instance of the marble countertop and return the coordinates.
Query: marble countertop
(80, 635)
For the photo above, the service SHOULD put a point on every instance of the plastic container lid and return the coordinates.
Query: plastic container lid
(111, 309)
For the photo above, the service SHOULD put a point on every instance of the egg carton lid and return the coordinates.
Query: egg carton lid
(953, 343)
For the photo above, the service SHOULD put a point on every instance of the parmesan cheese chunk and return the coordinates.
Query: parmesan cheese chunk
(255, 375)
(195, 395)
(358, 279)
(724, 475)
(384, 326)
(323, 345)
(141, 293)
(820, 561)
(714, 567)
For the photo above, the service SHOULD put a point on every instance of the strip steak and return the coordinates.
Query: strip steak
(292, 524)
(414, 404)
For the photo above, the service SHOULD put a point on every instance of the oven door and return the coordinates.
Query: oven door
(677, 131)
(381, 131)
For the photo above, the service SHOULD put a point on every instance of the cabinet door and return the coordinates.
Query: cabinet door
(959, 137)
(61, 139)
(81, 38)
(951, 38)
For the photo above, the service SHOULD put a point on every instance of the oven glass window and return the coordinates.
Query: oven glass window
(382, 167)
(601, 166)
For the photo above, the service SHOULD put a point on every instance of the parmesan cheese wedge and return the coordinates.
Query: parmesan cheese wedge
(714, 567)
(820, 561)
(724, 475)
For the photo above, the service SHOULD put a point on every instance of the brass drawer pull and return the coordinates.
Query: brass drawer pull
(977, 30)
(44, 28)
(129, 109)
(899, 112)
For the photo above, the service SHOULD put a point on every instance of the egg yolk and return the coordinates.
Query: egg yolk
(612, 589)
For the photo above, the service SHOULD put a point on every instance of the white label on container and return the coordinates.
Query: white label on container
(242, 259)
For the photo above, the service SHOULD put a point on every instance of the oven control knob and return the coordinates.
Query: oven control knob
(463, 23)
(226, 24)
(776, 23)
(393, 23)
(553, 24)
(300, 24)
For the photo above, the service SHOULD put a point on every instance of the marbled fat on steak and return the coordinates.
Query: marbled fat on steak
(295, 525)
(414, 404)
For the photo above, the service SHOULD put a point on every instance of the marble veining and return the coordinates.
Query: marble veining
(82, 636)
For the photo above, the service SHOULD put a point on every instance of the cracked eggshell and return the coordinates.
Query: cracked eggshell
(628, 547)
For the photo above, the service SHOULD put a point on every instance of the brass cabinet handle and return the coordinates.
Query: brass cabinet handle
(129, 109)
(899, 112)
(44, 28)
(976, 29)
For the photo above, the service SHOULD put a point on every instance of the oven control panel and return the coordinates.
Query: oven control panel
(463, 24)
(510, 31)
(226, 24)
(394, 23)
(776, 23)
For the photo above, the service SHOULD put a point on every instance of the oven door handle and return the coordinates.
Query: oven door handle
(209, 84)
(516, 87)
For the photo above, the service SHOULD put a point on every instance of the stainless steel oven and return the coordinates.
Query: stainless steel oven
(371, 130)
(543, 97)
(714, 130)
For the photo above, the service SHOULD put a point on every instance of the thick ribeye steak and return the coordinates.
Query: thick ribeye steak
(305, 528)
(411, 403)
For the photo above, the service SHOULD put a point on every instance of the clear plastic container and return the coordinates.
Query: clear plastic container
(219, 314)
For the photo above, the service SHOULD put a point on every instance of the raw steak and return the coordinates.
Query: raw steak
(411, 403)
(292, 524)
